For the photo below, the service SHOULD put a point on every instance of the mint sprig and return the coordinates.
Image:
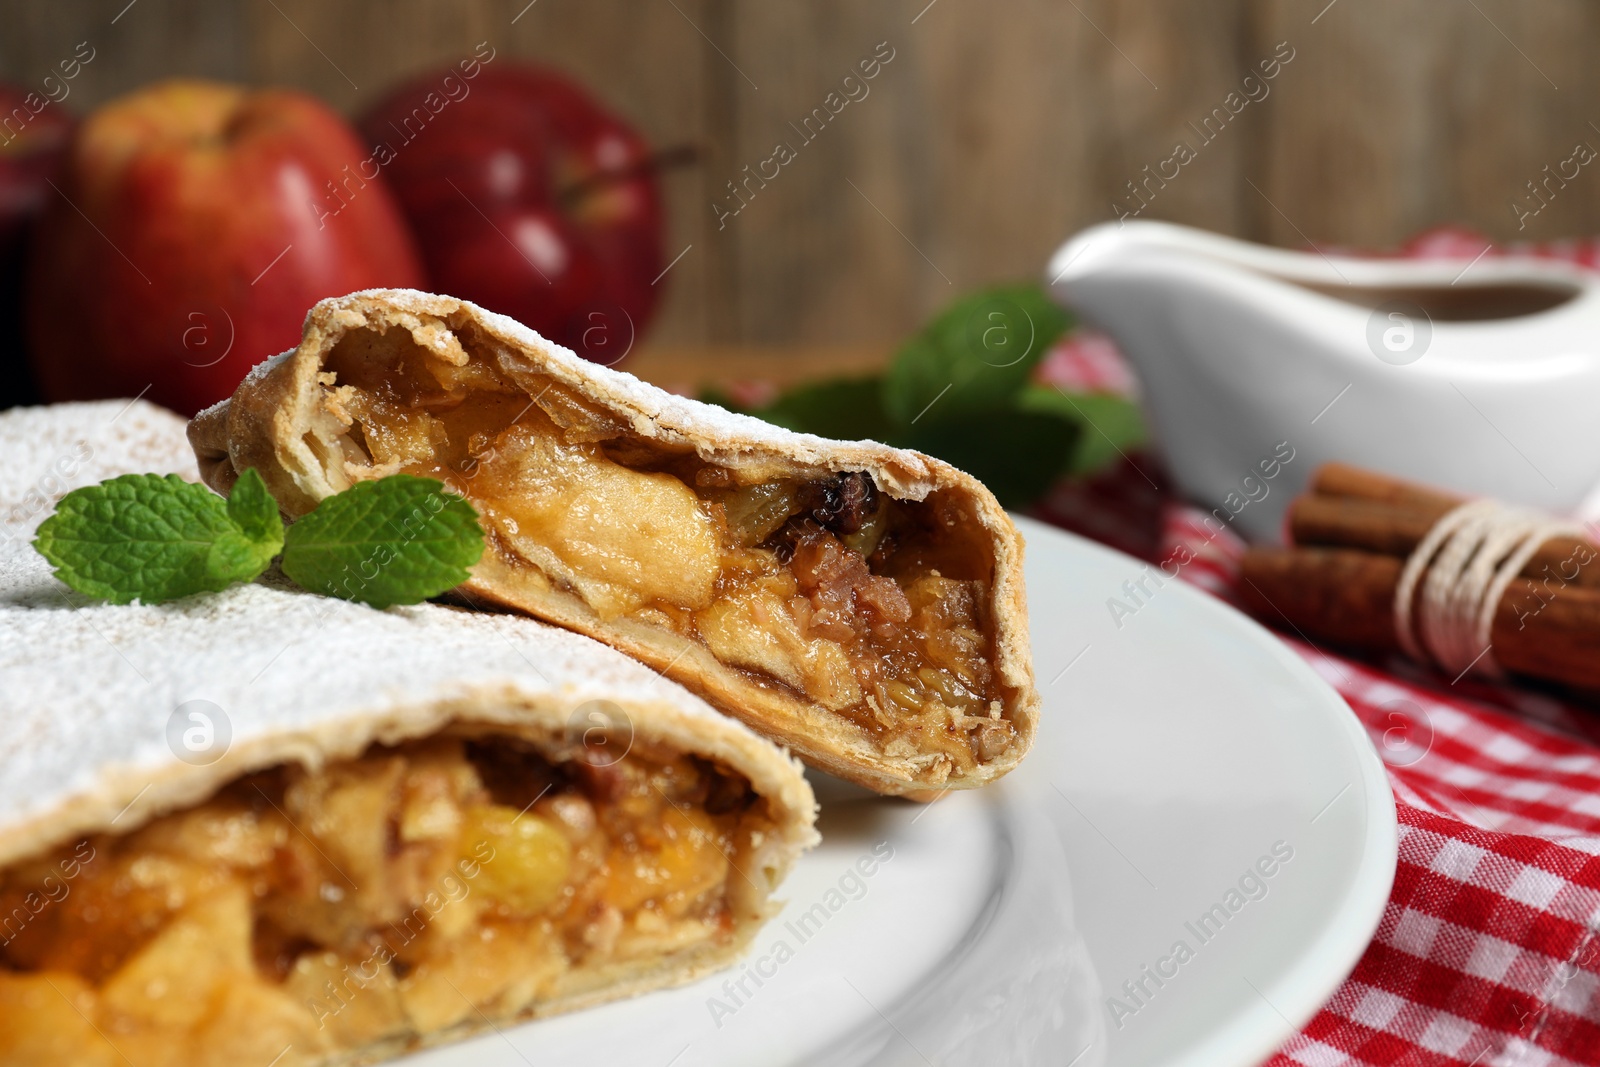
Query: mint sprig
(975, 356)
(398, 540)
(154, 538)
(961, 389)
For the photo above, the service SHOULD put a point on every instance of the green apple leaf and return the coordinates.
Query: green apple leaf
(397, 540)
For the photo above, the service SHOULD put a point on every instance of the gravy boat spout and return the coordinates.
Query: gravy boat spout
(1477, 376)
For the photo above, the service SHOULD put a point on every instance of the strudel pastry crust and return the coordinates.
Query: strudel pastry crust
(386, 829)
(859, 603)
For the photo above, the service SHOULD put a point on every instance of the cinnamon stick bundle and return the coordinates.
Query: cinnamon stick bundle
(1352, 532)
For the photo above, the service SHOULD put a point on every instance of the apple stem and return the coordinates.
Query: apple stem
(655, 163)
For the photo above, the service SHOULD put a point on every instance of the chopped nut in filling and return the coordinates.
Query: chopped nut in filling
(375, 900)
(874, 608)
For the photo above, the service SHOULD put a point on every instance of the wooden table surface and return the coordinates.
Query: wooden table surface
(996, 131)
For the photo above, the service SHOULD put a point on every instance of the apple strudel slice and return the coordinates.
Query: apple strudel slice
(859, 603)
(307, 841)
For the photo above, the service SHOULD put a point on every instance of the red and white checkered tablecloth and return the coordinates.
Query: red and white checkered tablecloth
(1488, 953)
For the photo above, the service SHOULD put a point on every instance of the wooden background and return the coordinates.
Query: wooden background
(999, 128)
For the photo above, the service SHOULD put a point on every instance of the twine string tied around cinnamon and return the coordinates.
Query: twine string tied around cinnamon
(1444, 605)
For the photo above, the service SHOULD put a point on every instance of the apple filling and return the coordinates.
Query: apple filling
(418, 887)
(874, 608)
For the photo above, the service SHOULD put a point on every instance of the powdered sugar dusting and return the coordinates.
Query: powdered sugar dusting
(87, 688)
(52, 450)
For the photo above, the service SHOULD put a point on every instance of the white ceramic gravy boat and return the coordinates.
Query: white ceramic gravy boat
(1483, 377)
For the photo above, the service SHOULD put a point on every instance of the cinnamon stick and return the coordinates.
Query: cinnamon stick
(1395, 526)
(1341, 479)
(1346, 597)
(1354, 522)
(1354, 530)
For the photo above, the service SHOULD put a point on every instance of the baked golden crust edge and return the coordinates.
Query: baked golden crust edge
(266, 424)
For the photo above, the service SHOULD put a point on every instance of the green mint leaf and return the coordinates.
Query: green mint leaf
(252, 507)
(147, 537)
(397, 540)
(715, 394)
(255, 512)
(1112, 425)
(847, 408)
(1017, 454)
(960, 390)
(974, 357)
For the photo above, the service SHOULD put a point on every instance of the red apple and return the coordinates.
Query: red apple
(33, 137)
(529, 198)
(196, 224)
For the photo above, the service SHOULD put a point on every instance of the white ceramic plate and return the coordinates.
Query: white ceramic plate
(1199, 783)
